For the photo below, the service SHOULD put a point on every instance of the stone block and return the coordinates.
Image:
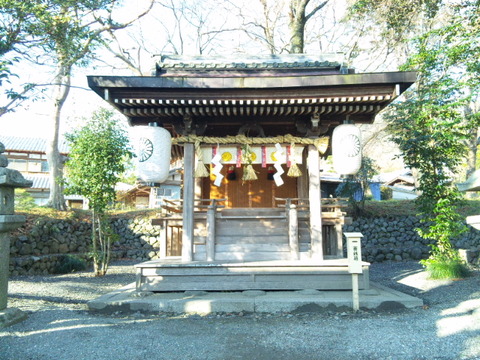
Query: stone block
(468, 255)
(63, 248)
(11, 316)
(379, 258)
(416, 253)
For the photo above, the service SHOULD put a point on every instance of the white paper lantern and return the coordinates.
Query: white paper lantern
(154, 146)
(346, 149)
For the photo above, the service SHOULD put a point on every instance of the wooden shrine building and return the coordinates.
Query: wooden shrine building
(257, 128)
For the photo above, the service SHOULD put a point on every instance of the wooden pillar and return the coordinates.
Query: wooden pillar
(188, 197)
(314, 196)
(163, 240)
(210, 245)
(339, 231)
(152, 197)
(302, 181)
(293, 230)
(138, 278)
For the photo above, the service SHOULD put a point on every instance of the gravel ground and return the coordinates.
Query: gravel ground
(59, 326)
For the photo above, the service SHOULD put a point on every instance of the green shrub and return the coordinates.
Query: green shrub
(386, 193)
(24, 200)
(70, 263)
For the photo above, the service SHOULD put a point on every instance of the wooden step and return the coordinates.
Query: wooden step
(255, 239)
(235, 276)
(249, 256)
(251, 220)
(250, 227)
(246, 252)
(251, 212)
(246, 231)
(252, 248)
(249, 235)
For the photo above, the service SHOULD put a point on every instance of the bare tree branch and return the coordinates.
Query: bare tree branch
(315, 10)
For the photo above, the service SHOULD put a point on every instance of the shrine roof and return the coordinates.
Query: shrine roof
(208, 84)
(281, 93)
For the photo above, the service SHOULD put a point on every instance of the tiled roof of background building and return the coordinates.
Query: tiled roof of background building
(40, 181)
(37, 145)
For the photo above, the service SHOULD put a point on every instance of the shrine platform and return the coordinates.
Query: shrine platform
(128, 300)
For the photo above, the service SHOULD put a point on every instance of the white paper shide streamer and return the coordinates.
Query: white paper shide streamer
(153, 147)
(217, 167)
(346, 149)
(278, 165)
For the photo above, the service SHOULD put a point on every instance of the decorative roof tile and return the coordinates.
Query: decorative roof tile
(174, 63)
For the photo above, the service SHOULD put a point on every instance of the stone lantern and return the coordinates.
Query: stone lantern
(9, 180)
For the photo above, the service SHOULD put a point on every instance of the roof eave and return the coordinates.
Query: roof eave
(98, 83)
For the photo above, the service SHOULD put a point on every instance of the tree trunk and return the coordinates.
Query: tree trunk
(96, 269)
(297, 25)
(470, 109)
(55, 161)
(472, 152)
(416, 180)
(298, 21)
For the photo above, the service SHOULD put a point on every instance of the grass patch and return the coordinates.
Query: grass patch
(74, 214)
(446, 269)
(149, 213)
(386, 208)
(469, 208)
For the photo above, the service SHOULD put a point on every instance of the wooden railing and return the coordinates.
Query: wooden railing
(176, 206)
(333, 218)
(172, 223)
(211, 215)
(328, 204)
(291, 206)
(206, 211)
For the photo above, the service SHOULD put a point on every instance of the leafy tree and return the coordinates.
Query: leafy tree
(432, 128)
(66, 34)
(396, 21)
(97, 159)
(11, 36)
(451, 25)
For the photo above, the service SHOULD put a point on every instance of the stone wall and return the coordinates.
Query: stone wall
(37, 247)
(395, 239)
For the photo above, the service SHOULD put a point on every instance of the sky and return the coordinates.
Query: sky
(34, 119)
